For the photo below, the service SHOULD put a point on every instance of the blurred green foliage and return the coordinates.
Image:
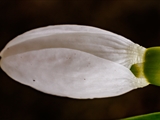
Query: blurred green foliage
(151, 116)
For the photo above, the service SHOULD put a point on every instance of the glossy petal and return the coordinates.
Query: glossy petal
(70, 73)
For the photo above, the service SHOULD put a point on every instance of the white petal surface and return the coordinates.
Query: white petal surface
(70, 73)
(92, 40)
(50, 30)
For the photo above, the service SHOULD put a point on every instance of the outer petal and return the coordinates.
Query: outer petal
(50, 30)
(92, 40)
(71, 73)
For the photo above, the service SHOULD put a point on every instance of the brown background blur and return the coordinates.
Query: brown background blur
(137, 20)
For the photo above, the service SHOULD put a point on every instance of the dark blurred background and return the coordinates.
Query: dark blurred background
(137, 20)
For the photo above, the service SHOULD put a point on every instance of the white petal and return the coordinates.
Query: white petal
(50, 30)
(92, 40)
(70, 73)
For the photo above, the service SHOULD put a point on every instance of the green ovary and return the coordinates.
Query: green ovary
(152, 65)
(150, 68)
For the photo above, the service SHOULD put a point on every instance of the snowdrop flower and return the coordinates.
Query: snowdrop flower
(79, 62)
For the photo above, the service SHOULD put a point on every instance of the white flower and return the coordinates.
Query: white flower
(74, 61)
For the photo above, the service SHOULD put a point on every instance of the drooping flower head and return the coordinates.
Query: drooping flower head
(79, 62)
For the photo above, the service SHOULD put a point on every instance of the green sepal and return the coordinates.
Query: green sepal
(152, 65)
